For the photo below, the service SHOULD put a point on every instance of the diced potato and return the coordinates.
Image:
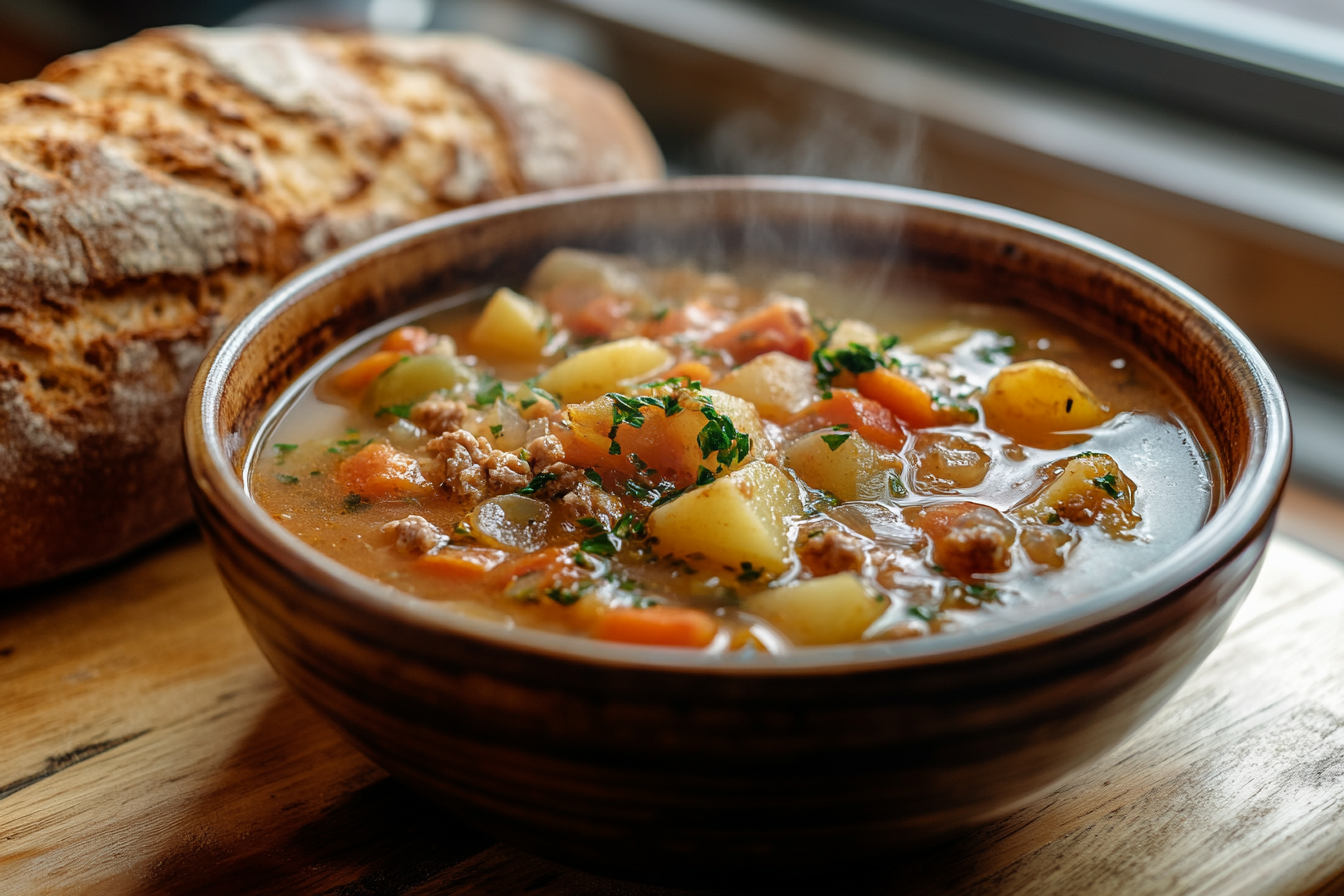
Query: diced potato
(511, 523)
(606, 368)
(853, 470)
(827, 610)
(778, 384)
(1046, 545)
(1041, 404)
(619, 274)
(511, 325)
(739, 518)
(414, 377)
(668, 445)
(854, 331)
(568, 279)
(1085, 489)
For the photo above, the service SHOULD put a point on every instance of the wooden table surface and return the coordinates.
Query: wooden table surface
(147, 748)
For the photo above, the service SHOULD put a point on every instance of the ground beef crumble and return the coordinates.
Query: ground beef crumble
(415, 535)
(437, 416)
(831, 552)
(474, 470)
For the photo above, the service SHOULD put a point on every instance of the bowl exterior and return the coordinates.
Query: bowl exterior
(684, 771)
(657, 773)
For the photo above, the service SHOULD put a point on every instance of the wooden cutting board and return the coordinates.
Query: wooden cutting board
(146, 747)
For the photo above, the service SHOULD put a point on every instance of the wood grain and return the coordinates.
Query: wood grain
(145, 747)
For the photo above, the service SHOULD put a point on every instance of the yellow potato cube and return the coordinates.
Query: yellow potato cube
(511, 325)
(1041, 404)
(1085, 489)
(613, 367)
(854, 331)
(847, 465)
(739, 518)
(828, 610)
(779, 385)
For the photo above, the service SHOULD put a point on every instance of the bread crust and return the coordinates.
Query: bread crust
(153, 190)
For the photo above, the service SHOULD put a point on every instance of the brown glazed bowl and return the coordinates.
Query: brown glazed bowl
(667, 764)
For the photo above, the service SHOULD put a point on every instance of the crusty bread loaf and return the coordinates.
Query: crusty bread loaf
(153, 190)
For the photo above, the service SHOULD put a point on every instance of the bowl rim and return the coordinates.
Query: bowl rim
(1246, 508)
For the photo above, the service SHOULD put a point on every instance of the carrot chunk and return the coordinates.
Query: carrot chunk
(412, 340)
(782, 327)
(863, 415)
(356, 378)
(658, 626)
(380, 471)
(903, 397)
(601, 317)
(691, 370)
(468, 565)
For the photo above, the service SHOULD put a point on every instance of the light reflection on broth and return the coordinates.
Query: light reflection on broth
(889, 509)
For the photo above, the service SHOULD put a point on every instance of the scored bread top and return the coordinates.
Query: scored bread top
(153, 190)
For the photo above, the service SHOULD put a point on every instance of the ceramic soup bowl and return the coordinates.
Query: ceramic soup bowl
(659, 763)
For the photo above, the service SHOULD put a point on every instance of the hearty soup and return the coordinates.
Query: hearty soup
(672, 458)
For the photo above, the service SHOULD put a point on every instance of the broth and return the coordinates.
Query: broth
(805, 479)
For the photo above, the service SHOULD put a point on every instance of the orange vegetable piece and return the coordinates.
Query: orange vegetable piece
(903, 397)
(467, 565)
(600, 317)
(412, 340)
(692, 370)
(694, 319)
(356, 378)
(380, 471)
(863, 415)
(782, 327)
(657, 626)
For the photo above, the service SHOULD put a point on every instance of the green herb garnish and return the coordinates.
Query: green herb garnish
(538, 482)
(285, 447)
(490, 395)
(542, 393)
(703, 477)
(626, 526)
(895, 485)
(287, 479)
(594, 477)
(637, 490)
(496, 430)
(600, 544)
(668, 497)
(396, 410)
(567, 596)
(1108, 484)
(835, 440)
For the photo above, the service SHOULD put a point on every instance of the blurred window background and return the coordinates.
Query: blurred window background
(1204, 135)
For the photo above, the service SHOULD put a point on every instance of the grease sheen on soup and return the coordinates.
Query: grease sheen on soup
(672, 458)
